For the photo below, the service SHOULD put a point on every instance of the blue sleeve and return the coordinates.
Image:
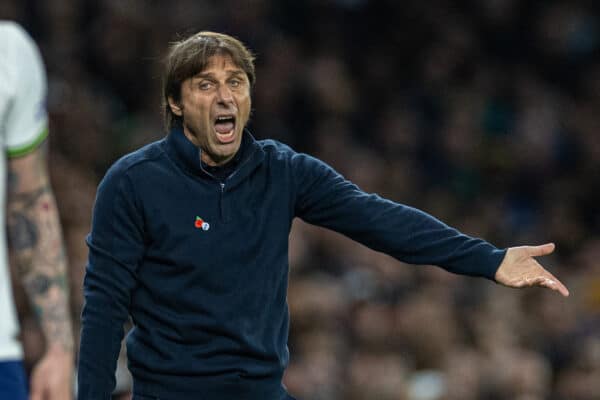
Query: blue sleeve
(326, 199)
(116, 246)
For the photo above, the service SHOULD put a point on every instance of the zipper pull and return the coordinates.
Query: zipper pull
(222, 185)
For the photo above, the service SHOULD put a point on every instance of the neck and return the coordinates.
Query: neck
(208, 160)
(205, 157)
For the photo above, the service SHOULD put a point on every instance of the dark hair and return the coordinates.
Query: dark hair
(190, 56)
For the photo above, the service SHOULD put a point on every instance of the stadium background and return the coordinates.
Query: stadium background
(483, 113)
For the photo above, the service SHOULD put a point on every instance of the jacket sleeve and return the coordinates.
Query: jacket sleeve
(116, 246)
(325, 198)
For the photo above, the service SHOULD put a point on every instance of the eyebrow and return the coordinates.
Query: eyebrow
(208, 75)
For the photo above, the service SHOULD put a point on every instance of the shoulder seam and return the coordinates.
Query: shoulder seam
(145, 158)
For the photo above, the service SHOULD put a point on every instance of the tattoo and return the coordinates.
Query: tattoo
(36, 245)
(40, 284)
(22, 232)
(30, 198)
(12, 179)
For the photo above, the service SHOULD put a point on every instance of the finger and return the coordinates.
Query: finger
(551, 282)
(35, 396)
(542, 250)
(36, 392)
(62, 391)
(555, 284)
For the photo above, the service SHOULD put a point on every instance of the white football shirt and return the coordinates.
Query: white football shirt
(23, 126)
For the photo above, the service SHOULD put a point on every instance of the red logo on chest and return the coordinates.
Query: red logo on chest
(199, 223)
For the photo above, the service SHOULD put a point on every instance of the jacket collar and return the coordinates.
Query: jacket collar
(187, 155)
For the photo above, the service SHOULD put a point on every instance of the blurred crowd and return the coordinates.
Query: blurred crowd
(485, 114)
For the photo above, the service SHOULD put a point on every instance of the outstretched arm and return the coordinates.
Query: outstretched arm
(520, 269)
(36, 243)
(325, 198)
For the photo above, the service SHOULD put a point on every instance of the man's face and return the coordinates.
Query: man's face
(215, 106)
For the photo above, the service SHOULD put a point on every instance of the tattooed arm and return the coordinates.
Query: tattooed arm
(35, 242)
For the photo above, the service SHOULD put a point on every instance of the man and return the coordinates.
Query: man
(190, 238)
(33, 227)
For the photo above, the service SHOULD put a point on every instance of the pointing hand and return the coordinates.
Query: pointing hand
(519, 269)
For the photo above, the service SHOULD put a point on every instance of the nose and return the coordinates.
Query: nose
(224, 95)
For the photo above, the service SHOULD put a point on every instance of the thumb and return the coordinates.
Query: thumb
(541, 250)
(36, 392)
(36, 387)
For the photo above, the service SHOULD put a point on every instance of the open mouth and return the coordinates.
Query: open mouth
(225, 128)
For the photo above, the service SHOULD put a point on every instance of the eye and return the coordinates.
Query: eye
(205, 85)
(235, 83)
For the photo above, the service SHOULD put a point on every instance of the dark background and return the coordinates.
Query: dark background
(484, 113)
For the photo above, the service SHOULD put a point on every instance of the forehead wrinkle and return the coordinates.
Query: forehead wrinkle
(221, 61)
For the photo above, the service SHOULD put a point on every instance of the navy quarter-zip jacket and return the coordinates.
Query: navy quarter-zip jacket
(208, 298)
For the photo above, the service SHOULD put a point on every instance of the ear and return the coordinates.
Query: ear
(175, 107)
